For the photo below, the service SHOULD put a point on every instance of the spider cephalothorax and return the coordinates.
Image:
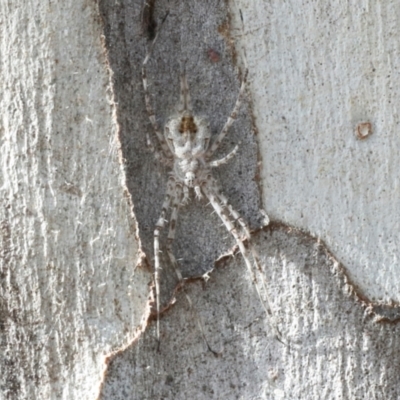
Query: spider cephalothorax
(188, 137)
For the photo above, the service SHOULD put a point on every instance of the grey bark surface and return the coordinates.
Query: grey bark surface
(335, 349)
(81, 193)
(334, 346)
(189, 33)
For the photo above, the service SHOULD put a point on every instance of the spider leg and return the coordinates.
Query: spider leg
(224, 160)
(186, 197)
(278, 334)
(224, 201)
(172, 229)
(171, 238)
(213, 199)
(170, 193)
(159, 155)
(237, 218)
(197, 190)
(165, 151)
(231, 118)
(185, 103)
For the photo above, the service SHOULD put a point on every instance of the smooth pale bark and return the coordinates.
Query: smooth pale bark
(71, 289)
(320, 71)
(74, 292)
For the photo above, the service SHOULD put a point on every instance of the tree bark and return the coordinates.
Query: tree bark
(81, 194)
(72, 290)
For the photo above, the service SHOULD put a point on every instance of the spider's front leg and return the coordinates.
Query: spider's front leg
(231, 118)
(159, 155)
(164, 154)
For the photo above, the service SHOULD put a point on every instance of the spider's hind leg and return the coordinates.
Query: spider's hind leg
(219, 202)
(224, 202)
(172, 229)
(170, 194)
(174, 262)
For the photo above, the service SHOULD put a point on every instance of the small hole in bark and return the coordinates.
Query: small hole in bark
(364, 130)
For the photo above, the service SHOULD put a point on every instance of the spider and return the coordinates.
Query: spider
(186, 148)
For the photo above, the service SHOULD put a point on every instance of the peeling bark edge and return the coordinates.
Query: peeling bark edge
(142, 260)
(381, 312)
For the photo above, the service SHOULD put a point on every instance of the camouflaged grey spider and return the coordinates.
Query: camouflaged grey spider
(185, 148)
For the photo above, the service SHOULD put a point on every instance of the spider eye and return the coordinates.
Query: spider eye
(187, 124)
